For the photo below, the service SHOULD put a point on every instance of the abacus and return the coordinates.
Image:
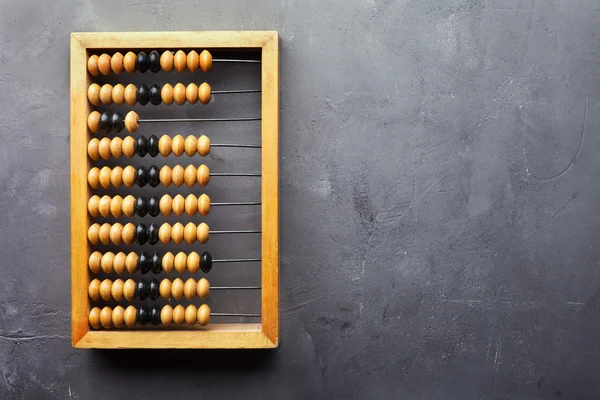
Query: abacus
(141, 251)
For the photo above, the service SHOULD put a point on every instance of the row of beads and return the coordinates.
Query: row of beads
(154, 62)
(144, 94)
(117, 176)
(146, 262)
(117, 147)
(107, 317)
(143, 289)
(117, 206)
(117, 233)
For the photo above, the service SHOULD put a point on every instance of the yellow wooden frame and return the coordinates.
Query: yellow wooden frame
(263, 335)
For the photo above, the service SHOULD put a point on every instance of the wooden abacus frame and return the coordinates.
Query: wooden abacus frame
(263, 335)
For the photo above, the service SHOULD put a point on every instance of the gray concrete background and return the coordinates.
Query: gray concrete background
(439, 190)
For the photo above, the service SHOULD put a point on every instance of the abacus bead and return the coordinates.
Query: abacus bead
(104, 233)
(178, 145)
(106, 317)
(179, 93)
(190, 314)
(168, 261)
(143, 94)
(119, 262)
(105, 288)
(128, 205)
(93, 150)
(141, 234)
(116, 232)
(129, 176)
(191, 145)
(156, 263)
(118, 316)
(116, 147)
(130, 316)
(154, 94)
(117, 289)
(141, 146)
(106, 262)
(130, 94)
(166, 315)
(165, 289)
(165, 175)
(166, 94)
(203, 315)
(104, 148)
(153, 294)
(117, 122)
(142, 62)
(144, 263)
(153, 233)
(93, 94)
(93, 121)
(94, 261)
(104, 124)
(165, 205)
(153, 176)
(177, 175)
(178, 205)
(129, 62)
(116, 63)
(93, 203)
(94, 289)
(132, 121)
(189, 288)
(203, 289)
(143, 289)
(203, 145)
(206, 262)
(116, 176)
(129, 289)
(128, 234)
(164, 233)
(118, 94)
(189, 233)
(193, 262)
(178, 314)
(155, 315)
(116, 206)
(166, 61)
(205, 61)
(106, 94)
(190, 175)
(94, 233)
(94, 318)
(104, 206)
(104, 64)
(191, 205)
(177, 233)
(141, 207)
(203, 233)
(192, 60)
(191, 93)
(203, 175)
(177, 288)
(152, 206)
(92, 65)
(94, 177)
(144, 315)
(153, 146)
(154, 59)
(180, 61)
(204, 93)
(141, 176)
(131, 262)
(203, 204)
(128, 146)
(180, 262)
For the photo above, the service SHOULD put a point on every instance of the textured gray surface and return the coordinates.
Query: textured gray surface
(439, 188)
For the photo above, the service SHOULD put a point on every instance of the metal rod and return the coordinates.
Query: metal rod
(234, 287)
(199, 119)
(233, 174)
(234, 315)
(236, 91)
(238, 60)
(238, 231)
(236, 260)
(252, 146)
(249, 203)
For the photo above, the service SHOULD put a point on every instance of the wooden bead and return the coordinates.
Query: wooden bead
(93, 94)
(193, 61)
(128, 233)
(128, 146)
(203, 175)
(178, 205)
(203, 289)
(116, 63)
(165, 289)
(180, 61)
(128, 205)
(189, 288)
(93, 121)
(178, 145)
(132, 121)
(180, 262)
(106, 94)
(189, 176)
(166, 61)
(191, 93)
(168, 262)
(166, 315)
(190, 314)
(128, 176)
(105, 288)
(165, 175)
(104, 233)
(130, 316)
(203, 145)
(93, 149)
(191, 145)
(203, 315)
(193, 262)
(129, 289)
(116, 290)
(104, 148)
(131, 262)
(177, 288)
(119, 262)
(104, 206)
(118, 94)
(177, 175)
(118, 316)
(178, 314)
(116, 176)
(165, 205)
(204, 93)
(166, 94)
(164, 145)
(189, 233)
(116, 206)
(191, 205)
(104, 177)
(203, 233)
(94, 289)
(116, 233)
(203, 204)
(164, 233)
(106, 317)
(94, 177)
(93, 203)
(130, 94)
(116, 147)
(205, 61)
(94, 261)
(104, 64)
(129, 62)
(179, 94)
(94, 318)
(92, 65)
(106, 262)
(94, 233)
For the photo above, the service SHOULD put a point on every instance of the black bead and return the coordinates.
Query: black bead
(140, 206)
(141, 236)
(153, 176)
(155, 315)
(142, 62)
(144, 315)
(145, 263)
(153, 206)
(153, 233)
(143, 94)
(154, 61)
(206, 262)
(153, 146)
(141, 177)
(155, 95)
(156, 263)
(104, 125)
(141, 146)
(117, 122)
(153, 289)
(143, 289)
